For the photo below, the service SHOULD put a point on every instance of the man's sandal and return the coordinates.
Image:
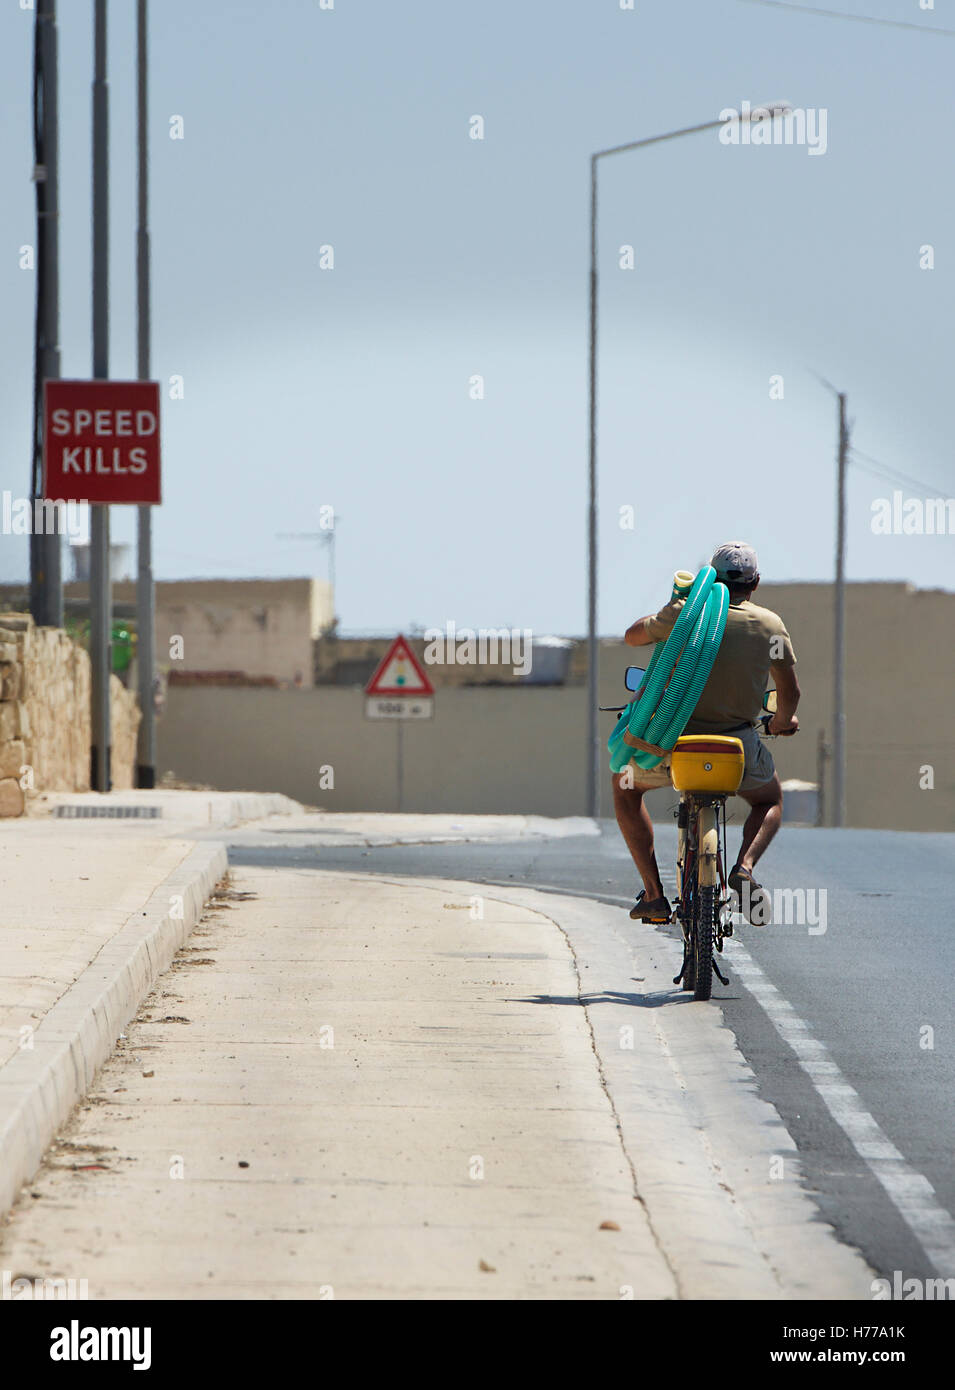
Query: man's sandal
(657, 912)
(754, 902)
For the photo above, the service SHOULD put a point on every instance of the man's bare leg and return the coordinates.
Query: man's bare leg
(636, 827)
(763, 821)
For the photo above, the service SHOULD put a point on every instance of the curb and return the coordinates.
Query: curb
(246, 806)
(41, 1084)
(220, 810)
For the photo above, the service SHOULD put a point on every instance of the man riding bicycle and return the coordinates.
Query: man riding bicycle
(755, 643)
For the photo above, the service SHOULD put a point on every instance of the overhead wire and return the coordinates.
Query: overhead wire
(891, 474)
(855, 18)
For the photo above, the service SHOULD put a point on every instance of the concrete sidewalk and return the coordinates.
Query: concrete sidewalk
(365, 1092)
(353, 1087)
(371, 1088)
(93, 911)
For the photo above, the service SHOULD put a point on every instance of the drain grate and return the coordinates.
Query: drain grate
(107, 812)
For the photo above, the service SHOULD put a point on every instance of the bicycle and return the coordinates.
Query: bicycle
(706, 769)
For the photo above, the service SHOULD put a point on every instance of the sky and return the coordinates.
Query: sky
(353, 387)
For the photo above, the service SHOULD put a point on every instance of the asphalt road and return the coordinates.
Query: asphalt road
(874, 988)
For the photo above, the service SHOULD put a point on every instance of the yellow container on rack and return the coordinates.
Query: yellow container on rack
(707, 763)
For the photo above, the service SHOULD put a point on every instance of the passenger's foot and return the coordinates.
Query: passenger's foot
(754, 901)
(658, 910)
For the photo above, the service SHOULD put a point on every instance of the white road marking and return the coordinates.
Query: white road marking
(910, 1191)
(589, 894)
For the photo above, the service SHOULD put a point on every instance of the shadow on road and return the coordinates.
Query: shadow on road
(653, 1000)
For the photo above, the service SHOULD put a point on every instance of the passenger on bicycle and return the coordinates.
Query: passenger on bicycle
(754, 644)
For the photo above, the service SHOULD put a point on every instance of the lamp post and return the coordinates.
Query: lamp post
(100, 587)
(776, 108)
(46, 587)
(145, 587)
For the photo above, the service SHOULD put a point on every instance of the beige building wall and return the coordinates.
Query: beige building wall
(259, 627)
(522, 749)
(262, 627)
(487, 750)
(900, 679)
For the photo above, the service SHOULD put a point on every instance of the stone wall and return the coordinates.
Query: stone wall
(45, 715)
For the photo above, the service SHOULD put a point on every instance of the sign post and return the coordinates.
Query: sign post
(145, 588)
(399, 690)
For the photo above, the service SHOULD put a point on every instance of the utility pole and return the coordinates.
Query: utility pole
(46, 587)
(593, 641)
(839, 655)
(822, 755)
(145, 590)
(100, 591)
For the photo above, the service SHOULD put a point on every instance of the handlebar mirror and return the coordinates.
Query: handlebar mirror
(769, 701)
(635, 675)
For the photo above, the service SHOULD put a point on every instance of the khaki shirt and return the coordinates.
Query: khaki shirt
(733, 694)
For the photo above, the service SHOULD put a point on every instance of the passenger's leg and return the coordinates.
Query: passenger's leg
(636, 827)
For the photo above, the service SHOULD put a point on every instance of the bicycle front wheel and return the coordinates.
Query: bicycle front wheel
(704, 931)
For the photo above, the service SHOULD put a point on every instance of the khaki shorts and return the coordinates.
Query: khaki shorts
(758, 768)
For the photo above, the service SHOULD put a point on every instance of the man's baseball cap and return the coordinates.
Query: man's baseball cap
(736, 561)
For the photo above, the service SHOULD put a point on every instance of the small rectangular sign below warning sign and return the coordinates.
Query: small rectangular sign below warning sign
(404, 707)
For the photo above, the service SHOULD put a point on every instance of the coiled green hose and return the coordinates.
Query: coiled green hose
(676, 675)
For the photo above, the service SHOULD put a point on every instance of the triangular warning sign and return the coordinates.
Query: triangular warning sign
(399, 673)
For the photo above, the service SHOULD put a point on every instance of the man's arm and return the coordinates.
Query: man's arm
(784, 721)
(656, 627)
(637, 635)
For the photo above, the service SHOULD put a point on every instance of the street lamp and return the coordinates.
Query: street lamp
(776, 108)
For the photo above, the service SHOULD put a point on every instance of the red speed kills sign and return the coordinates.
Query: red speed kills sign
(101, 441)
